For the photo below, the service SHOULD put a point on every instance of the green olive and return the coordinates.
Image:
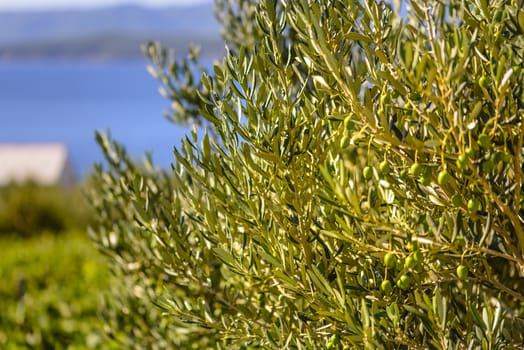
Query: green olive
(367, 172)
(462, 161)
(473, 205)
(348, 122)
(484, 141)
(404, 282)
(425, 179)
(443, 177)
(390, 260)
(384, 167)
(456, 200)
(344, 142)
(462, 272)
(409, 262)
(386, 287)
(418, 257)
(484, 82)
(416, 169)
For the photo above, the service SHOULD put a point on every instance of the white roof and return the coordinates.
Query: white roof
(43, 163)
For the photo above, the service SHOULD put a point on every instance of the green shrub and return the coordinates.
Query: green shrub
(29, 209)
(52, 293)
(273, 226)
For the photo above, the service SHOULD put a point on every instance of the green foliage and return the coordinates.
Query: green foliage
(273, 226)
(29, 209)
(51, 293)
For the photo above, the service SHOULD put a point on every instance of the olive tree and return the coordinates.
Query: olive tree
(353, 180)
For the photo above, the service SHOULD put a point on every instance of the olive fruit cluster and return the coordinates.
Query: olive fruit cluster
(384, 169)
(417, 170)
(392, 263)
(403, 269)
(481, 157)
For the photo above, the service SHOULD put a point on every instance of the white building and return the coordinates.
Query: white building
(45, 164)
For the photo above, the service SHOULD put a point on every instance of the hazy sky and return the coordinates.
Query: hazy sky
(48, 4)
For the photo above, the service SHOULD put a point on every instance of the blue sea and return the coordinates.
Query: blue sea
(66, 101)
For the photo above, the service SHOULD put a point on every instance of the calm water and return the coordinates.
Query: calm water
(66, 102)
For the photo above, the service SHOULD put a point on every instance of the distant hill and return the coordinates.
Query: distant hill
(114, 32)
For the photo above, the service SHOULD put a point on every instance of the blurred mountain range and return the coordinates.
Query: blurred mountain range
(107, 33)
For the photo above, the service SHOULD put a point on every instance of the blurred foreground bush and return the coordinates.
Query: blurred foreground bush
(356, 183)
(52, 292)
(29, 209)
